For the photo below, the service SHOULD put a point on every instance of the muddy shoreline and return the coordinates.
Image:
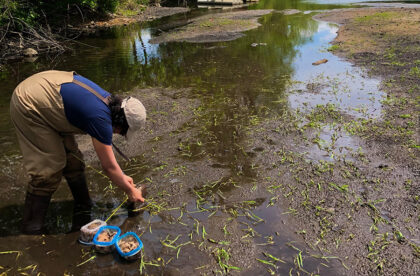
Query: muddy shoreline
(215, 28)
(369, 214)
(151, 13)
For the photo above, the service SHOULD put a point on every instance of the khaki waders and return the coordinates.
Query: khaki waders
(48, 146)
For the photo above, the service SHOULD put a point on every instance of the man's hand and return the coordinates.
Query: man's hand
(114, 172)
(130, 180)
(135, 195)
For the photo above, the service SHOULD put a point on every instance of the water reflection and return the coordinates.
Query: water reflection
(337, 82)
(142, 49)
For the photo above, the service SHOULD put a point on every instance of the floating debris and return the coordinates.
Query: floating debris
(290, 11)
(258, 44)
(321, 61)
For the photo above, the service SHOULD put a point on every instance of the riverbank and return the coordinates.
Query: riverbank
(214, 27)
(149, 14)
(46, 41)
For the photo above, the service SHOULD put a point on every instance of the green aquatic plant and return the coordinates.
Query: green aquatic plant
(415, 72)
(17, 252)
(333, 48)
(222, 257)
(86, 261)
(267, 263)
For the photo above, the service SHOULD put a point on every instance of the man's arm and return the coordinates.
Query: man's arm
(113, 171)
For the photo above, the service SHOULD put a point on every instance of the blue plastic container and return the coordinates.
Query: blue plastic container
(133, 254)
(106, 247)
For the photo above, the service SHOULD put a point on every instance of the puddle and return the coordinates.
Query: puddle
(286, 245)
(331, 144)
(336, 82)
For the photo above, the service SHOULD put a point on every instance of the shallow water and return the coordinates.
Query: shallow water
(338, 82)
(277, 73)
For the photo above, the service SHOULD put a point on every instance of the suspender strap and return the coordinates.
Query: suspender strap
(90, 89)
(106, 101)
(120, 152)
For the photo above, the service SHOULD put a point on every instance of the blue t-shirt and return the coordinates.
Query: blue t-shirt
(86, 111)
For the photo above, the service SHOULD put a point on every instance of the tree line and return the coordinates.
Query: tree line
(37, 12)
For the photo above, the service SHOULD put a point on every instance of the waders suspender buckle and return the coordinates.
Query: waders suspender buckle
(106, 101)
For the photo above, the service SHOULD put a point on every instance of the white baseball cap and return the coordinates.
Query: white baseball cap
(135, 114)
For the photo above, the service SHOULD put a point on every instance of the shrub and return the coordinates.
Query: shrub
(107, 5)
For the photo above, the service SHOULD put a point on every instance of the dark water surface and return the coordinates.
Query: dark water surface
(121, 59)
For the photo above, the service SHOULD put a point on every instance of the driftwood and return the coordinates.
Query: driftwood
(17, 35)
(41, 39)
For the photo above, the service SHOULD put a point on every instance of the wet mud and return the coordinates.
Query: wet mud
(216, 27)
(199, 212)
(149, 14)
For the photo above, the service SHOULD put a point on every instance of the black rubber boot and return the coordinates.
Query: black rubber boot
(82, 202)
(34, 214)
